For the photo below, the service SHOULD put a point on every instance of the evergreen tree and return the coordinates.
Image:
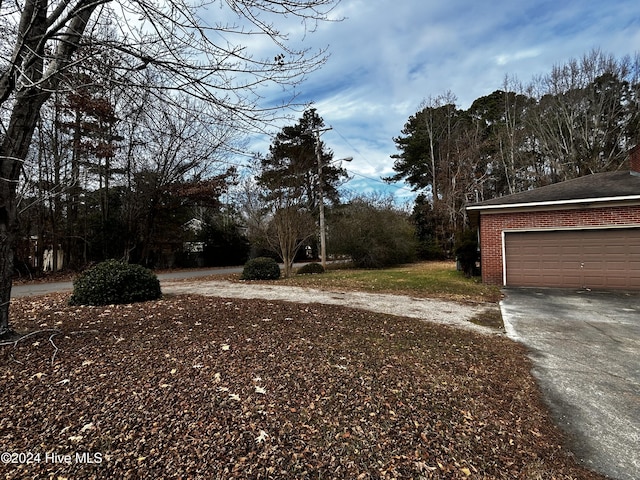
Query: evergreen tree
(291, 167)
(290, 179)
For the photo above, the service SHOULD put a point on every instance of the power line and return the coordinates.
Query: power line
(377, 180)
(354, 148)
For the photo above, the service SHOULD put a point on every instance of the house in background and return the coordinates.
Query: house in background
(582, 233)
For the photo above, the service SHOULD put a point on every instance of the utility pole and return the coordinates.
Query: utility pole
(323, 239)
(323, 230)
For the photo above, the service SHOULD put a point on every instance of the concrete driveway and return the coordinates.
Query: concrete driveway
(585, 347)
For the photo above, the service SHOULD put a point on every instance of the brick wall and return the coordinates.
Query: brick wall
(634, 159)
(493, 224)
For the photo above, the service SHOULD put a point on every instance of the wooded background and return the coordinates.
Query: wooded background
(581, 118)
(151, 177)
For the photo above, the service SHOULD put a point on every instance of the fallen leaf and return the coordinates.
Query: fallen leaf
(88, 426)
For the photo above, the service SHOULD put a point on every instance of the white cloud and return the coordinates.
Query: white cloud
(507, 58)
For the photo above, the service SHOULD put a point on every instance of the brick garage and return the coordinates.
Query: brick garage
(582, 233)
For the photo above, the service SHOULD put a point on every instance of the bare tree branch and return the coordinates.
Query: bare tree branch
(168, 37)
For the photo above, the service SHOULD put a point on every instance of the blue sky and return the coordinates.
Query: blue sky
(388, 56)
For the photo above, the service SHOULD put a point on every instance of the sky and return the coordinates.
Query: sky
(389, 56)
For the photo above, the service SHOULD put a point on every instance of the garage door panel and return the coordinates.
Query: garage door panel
(565, 249)
(593, 250)
(615, 268)
(607, 258)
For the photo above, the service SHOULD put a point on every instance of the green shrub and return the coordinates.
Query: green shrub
(310, 268)
(261, 268)
(114, 282)
(468, 253)
(374, 234)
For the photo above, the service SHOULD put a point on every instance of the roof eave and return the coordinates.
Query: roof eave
(557, 203)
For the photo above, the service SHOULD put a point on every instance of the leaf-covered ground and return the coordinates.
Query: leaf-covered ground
(200, 387)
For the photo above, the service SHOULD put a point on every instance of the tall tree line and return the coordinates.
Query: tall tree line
(580, 118)
(116, 172)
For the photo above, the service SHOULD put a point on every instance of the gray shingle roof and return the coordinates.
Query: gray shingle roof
(608, 185)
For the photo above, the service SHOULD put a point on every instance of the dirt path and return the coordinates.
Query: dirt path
(438, 311)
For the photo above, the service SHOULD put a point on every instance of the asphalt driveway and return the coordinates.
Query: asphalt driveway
(29, 289)
(585, 347)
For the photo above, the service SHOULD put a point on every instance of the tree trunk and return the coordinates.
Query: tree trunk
(14, 149)
(7, 236)
(35, 87)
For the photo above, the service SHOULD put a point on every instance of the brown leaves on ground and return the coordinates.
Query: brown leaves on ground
(195, 387)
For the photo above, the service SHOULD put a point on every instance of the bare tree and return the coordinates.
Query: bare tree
(289, 229)
(180, 147)
(170, 37)
(581, 120)
(279, 221)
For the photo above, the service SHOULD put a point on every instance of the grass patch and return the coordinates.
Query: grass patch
(422, 280)
(489, 318)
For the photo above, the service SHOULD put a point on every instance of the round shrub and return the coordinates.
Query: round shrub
(261, 268)
(310, 268)
(114, 282)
